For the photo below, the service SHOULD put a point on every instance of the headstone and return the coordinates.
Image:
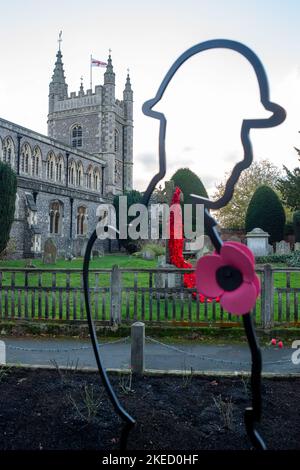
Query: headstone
(50, 252)
(234, 238)
(77, 242)
(173, 279)
(148, 254)
(283, 248)
(206, 248)
(258, 242)
(270, 249)
(297, 246)
(84, 243)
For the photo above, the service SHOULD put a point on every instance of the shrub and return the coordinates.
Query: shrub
(265, 211)
(296, 225)
(189, 183)
(272, 259)
(289, 229)
(8, 190)
(294, 260)
(9, 250)
(157, 249)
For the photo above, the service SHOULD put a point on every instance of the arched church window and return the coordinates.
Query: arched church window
(55, 217)
(25, 158)
(50, 166)
(36, 161)
(81, 221)
(72, 173)
(89, 176)
(59, 169)
(79, 174)
(76, 136)
(96, 179)
(8, 151)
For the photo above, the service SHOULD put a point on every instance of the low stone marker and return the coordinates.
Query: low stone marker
(172, 279)
(148, 254)
(2, 353)
(283, 248)
(258, 242)
(138, 348)
(50, 252)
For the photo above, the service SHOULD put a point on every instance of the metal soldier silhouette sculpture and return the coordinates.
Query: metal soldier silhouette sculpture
(229, 272)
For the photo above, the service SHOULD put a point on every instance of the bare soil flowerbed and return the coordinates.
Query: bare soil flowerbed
(54, 410)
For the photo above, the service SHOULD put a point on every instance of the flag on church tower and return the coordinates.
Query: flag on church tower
(97, 63)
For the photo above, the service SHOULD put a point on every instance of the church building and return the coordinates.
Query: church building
(84, 161)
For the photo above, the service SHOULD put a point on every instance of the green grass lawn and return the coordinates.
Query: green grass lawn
(56, 303)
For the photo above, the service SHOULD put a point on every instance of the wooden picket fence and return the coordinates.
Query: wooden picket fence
(155, 296)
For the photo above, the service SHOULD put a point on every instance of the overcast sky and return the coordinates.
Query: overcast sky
(206, 101)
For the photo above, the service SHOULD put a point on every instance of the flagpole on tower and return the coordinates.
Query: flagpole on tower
(91, 78)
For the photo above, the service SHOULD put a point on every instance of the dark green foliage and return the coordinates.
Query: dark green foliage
(133, 197)
(272, 259)
(189, 183)
(294, 260)
(265, 211)
(296, 224)
(289, 229)
(8, 189)
(289, 186)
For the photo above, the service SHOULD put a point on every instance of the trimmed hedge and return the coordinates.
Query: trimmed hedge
(292, 260)
(296, 225)
(189, 183)
(8, 190)
(272, 259)
(266, 211)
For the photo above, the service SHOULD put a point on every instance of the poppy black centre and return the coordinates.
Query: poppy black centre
(229, 278)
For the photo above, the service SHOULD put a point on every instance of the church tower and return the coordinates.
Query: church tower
(94, 121)
(128, 134)
(109, 144)
(58, 89)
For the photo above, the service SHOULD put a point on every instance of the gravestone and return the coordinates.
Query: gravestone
(258, 242)
(148, 254)
(206, 248)
(297, 246)
(283, 248)
(172, 279)
(84, 243)
(234, 238)
(50, 252)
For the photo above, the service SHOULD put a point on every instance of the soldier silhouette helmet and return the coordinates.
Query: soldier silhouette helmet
(277, 117)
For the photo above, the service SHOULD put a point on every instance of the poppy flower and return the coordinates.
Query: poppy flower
(229, 275)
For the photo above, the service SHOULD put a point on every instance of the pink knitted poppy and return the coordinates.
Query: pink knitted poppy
(229, 275)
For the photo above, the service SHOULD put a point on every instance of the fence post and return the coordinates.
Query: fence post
(115, 296)
(2, 353)
(267, 313)
(138, 348)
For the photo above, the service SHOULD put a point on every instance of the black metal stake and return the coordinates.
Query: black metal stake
(129, 421)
